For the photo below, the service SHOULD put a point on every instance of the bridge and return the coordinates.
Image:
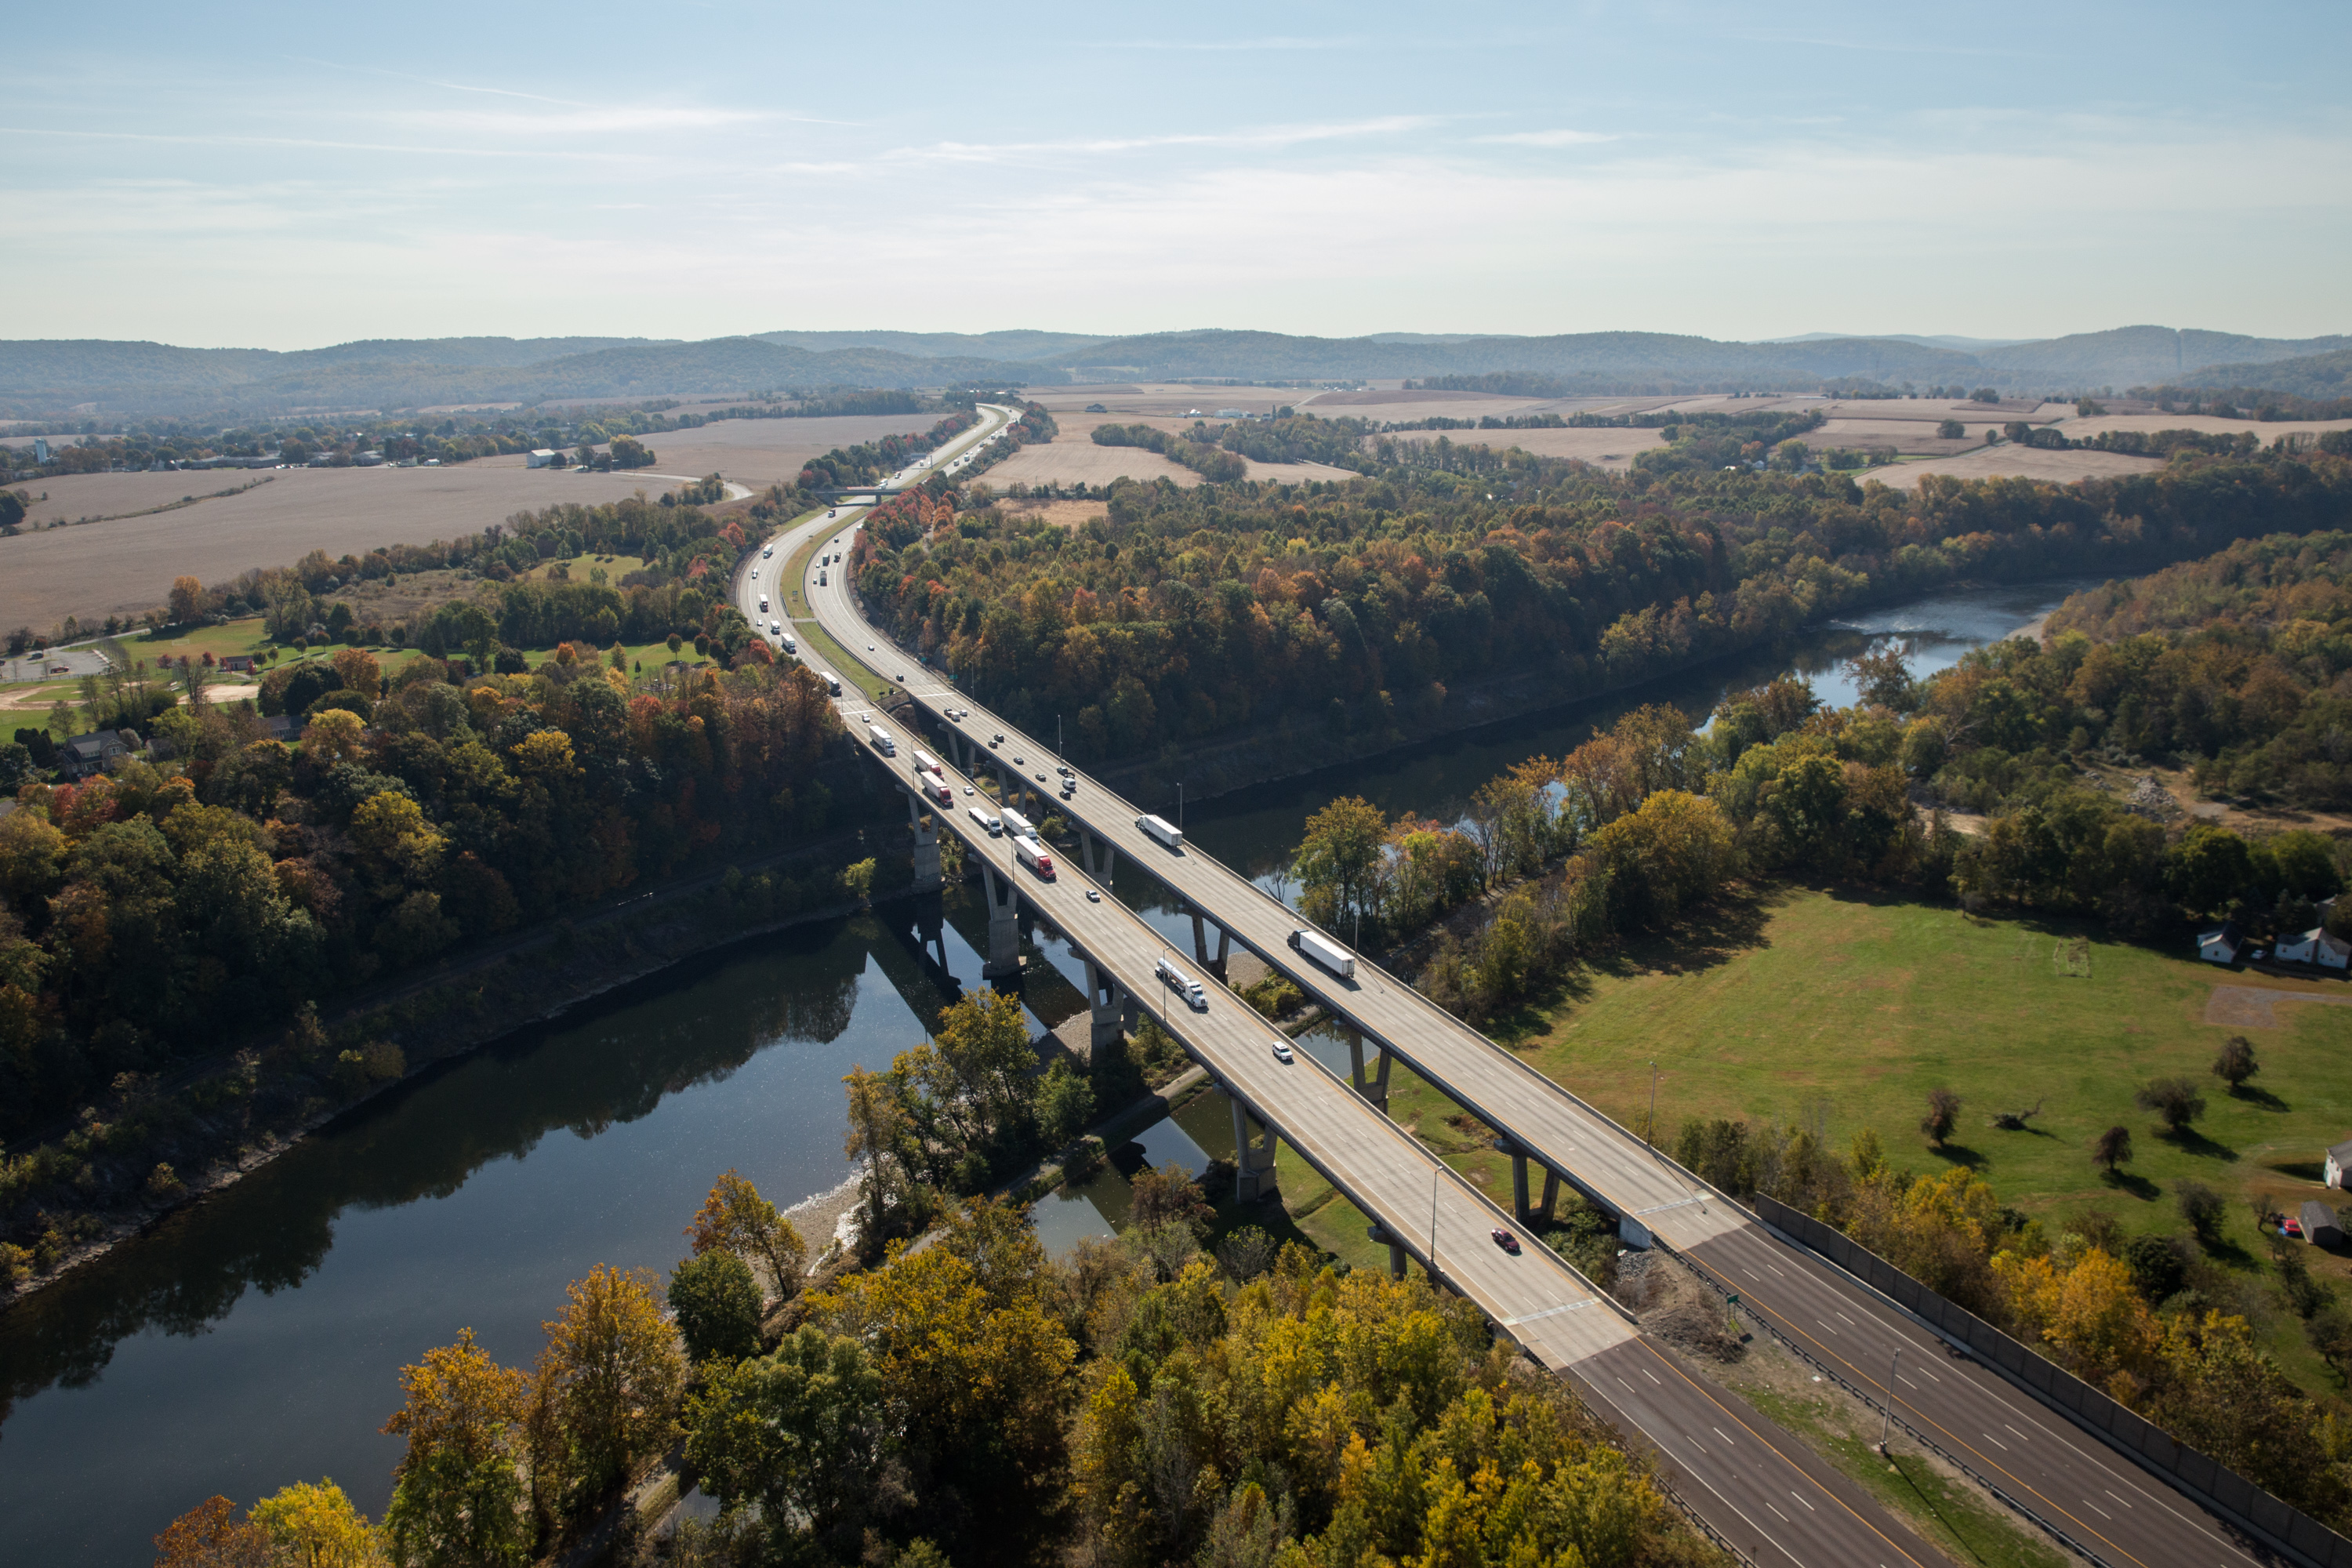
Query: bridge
(1757, 1488)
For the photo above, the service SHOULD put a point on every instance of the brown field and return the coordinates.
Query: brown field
(1064, 514)
(2207, 423)
(2014, 461)
(1601, 448)
(1067, 462)
(763, 452)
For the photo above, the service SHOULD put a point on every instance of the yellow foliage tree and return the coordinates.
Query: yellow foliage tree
(317, 1527)
(735, 1218)
(332, 737)
(614, 1372)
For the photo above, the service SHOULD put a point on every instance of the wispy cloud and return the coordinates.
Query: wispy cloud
(1228, 45)
(322, 143)
(586, 120)
(1868, 46)
(1548, 138)
(1264, 136)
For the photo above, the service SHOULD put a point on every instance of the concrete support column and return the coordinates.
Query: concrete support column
(1216, 965)
(927, 842)
(1519, 1186)
(1253, 1176)
(1376, 1091)
(1108, 1002)
(1097, 857)
(1003, 924)
(1550, 1197)
(1379, 1233)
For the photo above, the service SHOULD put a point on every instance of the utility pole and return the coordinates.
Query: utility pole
(1434, 1178)
(1886, 1415)
(1650, 1134)
(1180, 806)
(1057, 735)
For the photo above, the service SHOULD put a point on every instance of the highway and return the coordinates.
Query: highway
(1757, 1487)
(2103, 1504)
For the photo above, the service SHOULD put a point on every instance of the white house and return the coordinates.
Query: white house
(2339, 1163)
(541, 458)
(2220, 945)
(2316, 946)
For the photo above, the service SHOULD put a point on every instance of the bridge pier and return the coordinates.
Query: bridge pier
(1377, 1232)
(1216, 965)
(1003, 924)
(926, 841)
(1253, 1176)
(1376, 1091)
(1108, 1002)
(1097, 857)
(1550, 1197)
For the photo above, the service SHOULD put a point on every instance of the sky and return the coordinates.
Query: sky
(281, 177)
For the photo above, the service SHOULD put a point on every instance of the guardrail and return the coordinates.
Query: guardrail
(2277, 1525)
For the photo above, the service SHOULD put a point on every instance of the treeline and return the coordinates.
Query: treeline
(832, 405)
(2267, 403)
(151, 914)
(978, 1403)
(1299, 438)
(2158, 1321)
(1195, 449)
(870, 460)
(1483, 422)
(1353, 606)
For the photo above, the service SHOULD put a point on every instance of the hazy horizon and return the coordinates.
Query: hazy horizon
(262, 176)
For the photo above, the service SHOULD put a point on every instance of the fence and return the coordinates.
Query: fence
(2230, 1495)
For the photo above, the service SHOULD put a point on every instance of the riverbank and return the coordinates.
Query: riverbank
(233, 1115)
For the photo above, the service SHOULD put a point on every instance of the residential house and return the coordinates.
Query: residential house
(2317, 947)
(2339, 1163)
(92, 753)
(238, 664)
(2221, 944)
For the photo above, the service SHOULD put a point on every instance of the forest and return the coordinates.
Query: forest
(1355, 608)
(977, 1402)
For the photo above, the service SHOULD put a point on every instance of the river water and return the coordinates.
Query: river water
(256, 1339)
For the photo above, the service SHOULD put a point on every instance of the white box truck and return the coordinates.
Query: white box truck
(925, 762)
(1014, 823)
(832, 685)
(1034, 855)
(1163, 829)
(987, 825)
(882, 741)
(763, 604)
(1183, 984)
(790, 646)
(1324, 951)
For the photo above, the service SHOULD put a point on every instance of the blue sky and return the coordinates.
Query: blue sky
(282, 177)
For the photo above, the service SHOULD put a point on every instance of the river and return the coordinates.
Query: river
(256, 1338)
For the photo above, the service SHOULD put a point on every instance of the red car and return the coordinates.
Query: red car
(1506, 1240)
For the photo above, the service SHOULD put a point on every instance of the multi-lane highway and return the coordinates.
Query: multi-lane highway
(2068, 1482)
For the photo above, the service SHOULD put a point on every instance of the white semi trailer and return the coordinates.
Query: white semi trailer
(1324, 951)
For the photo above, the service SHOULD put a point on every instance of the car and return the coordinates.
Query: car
(869, 647)
(1019, 761)
(2261, 953)
(1064, 771)
(993, 740)
(1041, 778)
(1283, 1053)
(755, 573)
(2291, 1226)
(967, 789)
(1093, 897)
(1506, 1240)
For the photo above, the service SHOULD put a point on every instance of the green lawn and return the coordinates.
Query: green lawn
(852, 668)
(1845, 1008)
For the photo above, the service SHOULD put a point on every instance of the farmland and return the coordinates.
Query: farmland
(2009, 461)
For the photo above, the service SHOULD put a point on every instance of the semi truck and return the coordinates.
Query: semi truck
(832, 685)
(987, 825)
(882, 741)
(937, 788)
(1014, 823)
(1163, 829)
(926, 763)
(1183, 984)
(1324, 951)
(1034, 855)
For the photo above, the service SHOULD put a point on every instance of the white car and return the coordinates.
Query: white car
(1283, 1053)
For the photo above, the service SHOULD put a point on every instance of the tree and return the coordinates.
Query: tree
(2234, 1063)
(717, 1304)
(616, 1374)
(1952, 430)
(800, 1433)
(333, 736)
(736, 1219)
(875, 1125)
(1066, 1105)
(2113, 1148)
(2174, 1099)
(1338, 859)
(1943, 1115)
(210, 1535)
(2202, 1207)
(1166, 1195)
(317, 1527)
(187, 595)
(456, 1499)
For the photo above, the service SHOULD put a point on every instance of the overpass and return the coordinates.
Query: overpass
(2047, 1471)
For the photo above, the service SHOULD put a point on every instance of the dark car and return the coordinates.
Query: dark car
(1506, 1240)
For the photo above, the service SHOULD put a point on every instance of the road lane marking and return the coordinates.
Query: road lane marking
(1801, 1498)
(2095, 1508)
(1783, 1518)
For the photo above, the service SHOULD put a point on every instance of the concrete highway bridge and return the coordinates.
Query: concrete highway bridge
(1758, 1488)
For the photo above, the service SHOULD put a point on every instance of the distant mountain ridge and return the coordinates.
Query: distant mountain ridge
(49, 375)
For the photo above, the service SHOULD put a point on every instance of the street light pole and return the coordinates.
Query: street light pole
(1434, 1178)
(1650, 1134)
(1886, 1415)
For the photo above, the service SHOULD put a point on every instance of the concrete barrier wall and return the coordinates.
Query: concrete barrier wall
(2235, 1497)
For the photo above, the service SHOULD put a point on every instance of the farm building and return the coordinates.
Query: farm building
(540, 458)
(2319, 1226)
(2220, 945)
(2316, 946)
(2339, 1163)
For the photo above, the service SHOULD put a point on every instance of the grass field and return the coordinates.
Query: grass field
(2009, 461)
(1842, 1010)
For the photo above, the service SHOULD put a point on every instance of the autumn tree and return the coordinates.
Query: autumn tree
(1943, 1115)
(186, 599)
(210, 1535)
(2112, 1150)
(875, 1130)
(317, 1527)
(1339, 861)
(458, 1494)
(615, 1372)
(1166, 1195)
(735, 1218)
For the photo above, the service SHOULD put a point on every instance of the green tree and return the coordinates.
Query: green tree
(1338, 860)
(2112, 1150)
(2208, 869)
(736, 1219)
(717, 1304)
(2234, 1063)
(2173, 1100)
(800, 1433)
(1943, 1115)
(1066, 1105)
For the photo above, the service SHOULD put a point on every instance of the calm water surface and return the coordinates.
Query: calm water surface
(256, 1339)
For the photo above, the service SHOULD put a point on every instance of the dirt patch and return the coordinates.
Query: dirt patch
(2255, 1006)
(1067, 462)
(1677, 1309)
(1065, 514)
